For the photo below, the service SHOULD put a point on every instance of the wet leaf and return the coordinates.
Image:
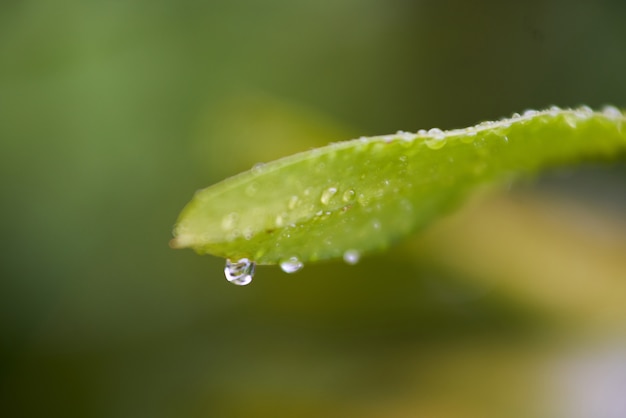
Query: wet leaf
(362, 195)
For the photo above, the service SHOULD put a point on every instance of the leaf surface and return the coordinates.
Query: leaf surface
(362, 195)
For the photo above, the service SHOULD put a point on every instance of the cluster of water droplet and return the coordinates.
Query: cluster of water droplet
(241, 272)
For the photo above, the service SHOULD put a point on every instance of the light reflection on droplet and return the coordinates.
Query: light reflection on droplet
(351, 257)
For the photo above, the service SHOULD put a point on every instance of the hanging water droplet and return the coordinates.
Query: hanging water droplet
(351, 257)
(327, 195)
(291, 265)
(240, 272)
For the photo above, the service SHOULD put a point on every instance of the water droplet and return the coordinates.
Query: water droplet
(291, 265)
(240, 272)
(279, 221)
(529, 113)
(351, 257)
(327, 195)
(612, 112)
(363, 199)
(470, 133)
(406, 136)
(229, 221)
(422, 132)
(293, 202)
(258, 167)
(554, 110)
(435, 143)
(437, 133)
(376, 224)
(348, 195)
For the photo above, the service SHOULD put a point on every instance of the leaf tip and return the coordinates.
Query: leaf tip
(181, 241)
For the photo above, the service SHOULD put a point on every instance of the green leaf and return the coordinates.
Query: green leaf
(362, 195)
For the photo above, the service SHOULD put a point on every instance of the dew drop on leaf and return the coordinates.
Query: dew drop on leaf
(348, 196)
(611, 112)
(240, 272)
(327, 195)
(437, 133)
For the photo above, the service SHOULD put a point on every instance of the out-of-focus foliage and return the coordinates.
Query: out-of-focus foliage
(113, 113)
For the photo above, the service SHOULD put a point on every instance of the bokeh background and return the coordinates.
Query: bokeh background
(112, 113)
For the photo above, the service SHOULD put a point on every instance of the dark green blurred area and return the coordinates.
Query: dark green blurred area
(113, 113)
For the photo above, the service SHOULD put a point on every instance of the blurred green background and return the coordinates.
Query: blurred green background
(112, 113)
